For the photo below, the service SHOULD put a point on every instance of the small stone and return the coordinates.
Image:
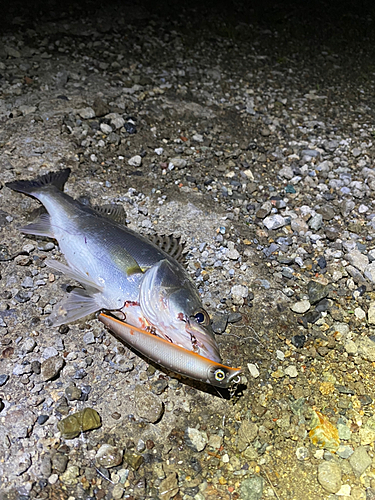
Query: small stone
(89, 338)
(27, 282)
(177, 162)
(134, 460)
(359, 313)
(86, 113)
(366, 348)
(302, 453)
(118, 491)
(329, 476)
(360, 460)
(291, 371)
(135, 161)
(219, 322)
(344, 451)
(42, 419)
(234, 317)
(371, 313)
(73, 393)
(350, 347)
(299, 225)
(59, 462)
(252, 488)
(100, 107)
(316, 222)
(49, 352)
(168, 487)
(370, 272)
(317, 291)
(301, 306)
(53, 478)
(196, 439)
(273, 222)
(105, 128)
(51, 367)
(357, 259)
(148, 405)
(254, 372)
(239, 293)
(28, 345)
(215, 441)
(247, 432)
(3, 379)
(21, 369)
(108, 456)
(70, 476)
(81, 421)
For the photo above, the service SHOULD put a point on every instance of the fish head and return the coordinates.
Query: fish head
(171, 304)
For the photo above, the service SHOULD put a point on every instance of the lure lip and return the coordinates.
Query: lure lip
(171, 356)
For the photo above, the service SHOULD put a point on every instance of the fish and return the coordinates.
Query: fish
(119, 270)
(173, 357)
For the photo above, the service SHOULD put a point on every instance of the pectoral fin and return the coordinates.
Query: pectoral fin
(40, 227)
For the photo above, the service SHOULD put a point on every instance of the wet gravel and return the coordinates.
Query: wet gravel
(249, 133)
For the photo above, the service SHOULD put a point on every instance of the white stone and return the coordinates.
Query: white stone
(291, 371)
(254, 372)
(135, 161)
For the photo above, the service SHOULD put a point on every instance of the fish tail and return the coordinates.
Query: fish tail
(57, 179)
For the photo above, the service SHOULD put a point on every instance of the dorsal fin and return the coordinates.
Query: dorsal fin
(170, 245)
(114, 212)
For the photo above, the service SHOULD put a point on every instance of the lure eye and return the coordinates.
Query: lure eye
(219, 375)
(202, 318)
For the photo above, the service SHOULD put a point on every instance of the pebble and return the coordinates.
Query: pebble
(86, 113)
(89, 338)
(317, 291)
(3, 379)
(70, 476)
(135, 161)
(371, 313)
(360, 460)
(177, 162)
(28, 345)
(329, 476)
(366, 348)
(109, 456)
(291, 371)
(51, 367)
(247, 432)
(301, 306)
(219, 322)
(239, 293)
(118, 491)
(168, 487)
(358, 260)
(254, 372)
(81, 421)
(148, 405)
(252, 488)
(273, 222)
(235, 317)
(196, 439)
(73, 393)
(49, 352)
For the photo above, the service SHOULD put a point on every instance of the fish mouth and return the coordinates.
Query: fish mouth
(202, 341)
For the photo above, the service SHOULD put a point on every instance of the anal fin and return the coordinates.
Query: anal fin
(75, 305)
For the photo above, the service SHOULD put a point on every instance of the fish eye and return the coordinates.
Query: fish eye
(202, 317)
(219, 375)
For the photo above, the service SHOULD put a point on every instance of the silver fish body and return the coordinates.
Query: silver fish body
(173, 357)
(119, 270)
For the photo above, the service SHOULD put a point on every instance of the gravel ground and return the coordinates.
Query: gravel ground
(249, 133)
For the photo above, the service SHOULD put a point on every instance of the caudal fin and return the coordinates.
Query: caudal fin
(57, 179)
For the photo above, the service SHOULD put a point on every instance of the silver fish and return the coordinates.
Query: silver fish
(119, 270)
(175, 358)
